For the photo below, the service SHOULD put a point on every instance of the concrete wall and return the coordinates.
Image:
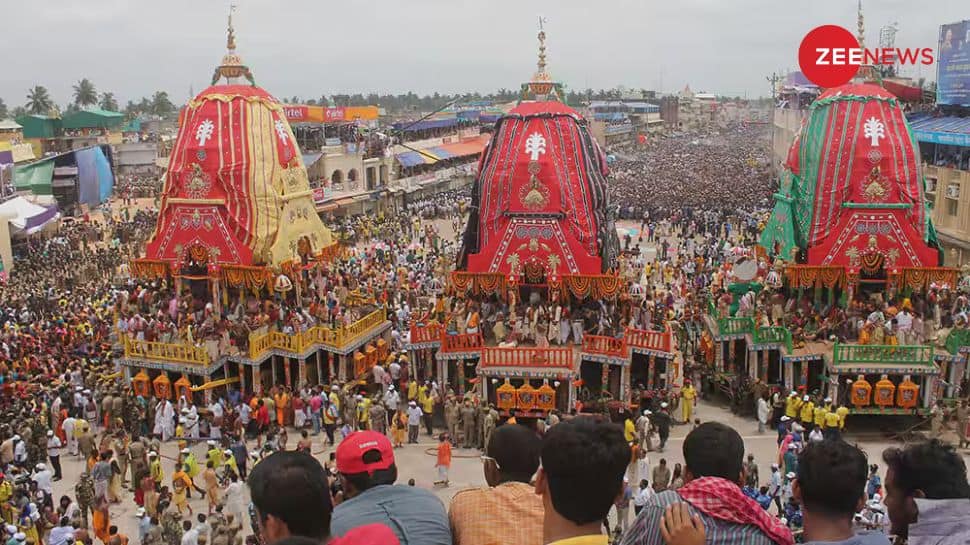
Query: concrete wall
(136, 154)
(948, 191)
(785, 124)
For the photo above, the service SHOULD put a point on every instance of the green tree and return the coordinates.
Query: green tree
(39, 100)
(85, 94)
(18, 111)
(161, 105)
(108, 102)
(323, 101)
(3, 109)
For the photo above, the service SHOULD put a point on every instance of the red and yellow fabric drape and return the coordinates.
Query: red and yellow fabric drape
(149, 269)
(811, 276)
(920, 278)
(243, 276)
(479, 283)
(594, 286)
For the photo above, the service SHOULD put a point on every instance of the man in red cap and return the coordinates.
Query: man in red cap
(291, 498)
(365, 465)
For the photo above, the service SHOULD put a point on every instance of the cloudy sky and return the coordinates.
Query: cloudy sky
(313, 47)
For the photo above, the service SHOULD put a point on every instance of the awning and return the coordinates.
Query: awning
(310, 158)
(411, 126)
(345, 201)
(35, 177)
(950, 130)
(328, 207)
(26, 216)
(467, 147)
(413, 158)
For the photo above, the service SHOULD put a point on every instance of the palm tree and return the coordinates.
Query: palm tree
(108, 102)
(39, 100)
(85, 93)
(161, 105)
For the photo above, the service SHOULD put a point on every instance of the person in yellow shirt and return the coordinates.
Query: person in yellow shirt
(689, 398)
(181, 484)
(363, 412)
(629, 430)
(427, 408)
(820, 412)
(412, 390)
(214, 454)
(842, 411)
(807, 411)
(792, 404)
(832, 421)
(155, 468)
(230, 463)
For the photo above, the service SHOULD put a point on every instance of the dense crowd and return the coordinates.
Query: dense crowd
(562, 479)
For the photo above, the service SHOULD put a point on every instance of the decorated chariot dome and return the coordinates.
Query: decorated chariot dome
(236, 191)
(539, 205)
(851, 193)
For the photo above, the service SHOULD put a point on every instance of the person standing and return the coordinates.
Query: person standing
(926, 494)
(688, 400)
(581, 475)
(54, 449)
(414, 421)
(661, 476)
(763, 412)
(774, 487)
(507, 510)
(662, 421)
(622, 505)
(963, 419)
(642, 496)
(751, 472)
(443, 462)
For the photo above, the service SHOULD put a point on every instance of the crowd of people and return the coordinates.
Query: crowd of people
(697, 199)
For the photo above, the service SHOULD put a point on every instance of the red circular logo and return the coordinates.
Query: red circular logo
(829, 56)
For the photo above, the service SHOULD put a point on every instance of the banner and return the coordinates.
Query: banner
(953, 61)
(298, 113)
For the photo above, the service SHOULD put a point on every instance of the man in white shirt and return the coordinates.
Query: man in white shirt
(190, 535)
(62, 534)
(642, 496)
(54, 449)
(244, 412)
(904, 326)
(414, 421)
(42, 476)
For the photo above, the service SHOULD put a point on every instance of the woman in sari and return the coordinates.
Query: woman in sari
(399, 427)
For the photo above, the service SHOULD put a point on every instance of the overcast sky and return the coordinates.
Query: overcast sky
(308, 48)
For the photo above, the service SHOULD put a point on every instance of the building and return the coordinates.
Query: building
(137, 158)
(614, 122)
(944, 143)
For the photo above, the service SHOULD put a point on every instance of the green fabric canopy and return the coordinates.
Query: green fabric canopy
(35, 177)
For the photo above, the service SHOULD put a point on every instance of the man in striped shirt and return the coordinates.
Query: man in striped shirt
(713, 476)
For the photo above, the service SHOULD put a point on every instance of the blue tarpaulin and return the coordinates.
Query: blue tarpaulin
(95, 180)
(954, 131)
(410, 159)
(426, 124)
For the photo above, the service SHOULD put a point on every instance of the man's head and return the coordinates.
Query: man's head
(714, 450)
(583, 461)
(365, 459)
(290, 493)
(831, 480)
(512, 454)
(931, 470)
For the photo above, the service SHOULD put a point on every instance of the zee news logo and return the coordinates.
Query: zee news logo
(830, 56)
